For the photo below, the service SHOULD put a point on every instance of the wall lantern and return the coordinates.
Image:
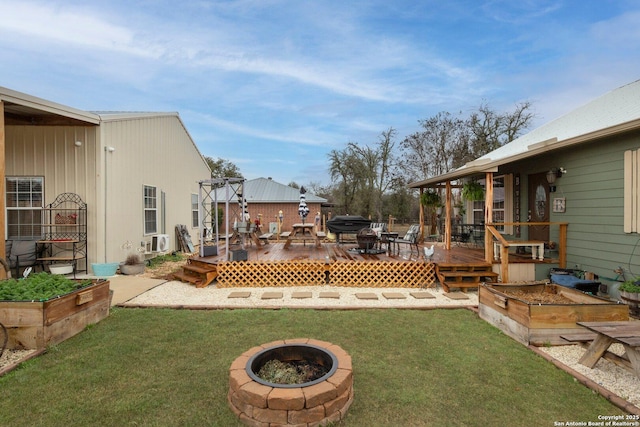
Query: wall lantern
(552, 175)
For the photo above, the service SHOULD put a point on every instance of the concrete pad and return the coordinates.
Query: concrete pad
(301, 295)
(394, 295)
(422, 295)
(334, 295)
(239, 295)
(127, 287)
(272, 295)
(366, 295)
(456, 295)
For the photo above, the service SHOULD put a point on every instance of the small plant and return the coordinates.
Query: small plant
(133, 259)
(472, 190)
(134, 256)
(631, 286)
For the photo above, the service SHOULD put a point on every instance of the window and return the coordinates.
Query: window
(24, 207)
(150, 210)
(502, 202)
(194, 211)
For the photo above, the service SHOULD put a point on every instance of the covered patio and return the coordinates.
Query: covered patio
(492, 232)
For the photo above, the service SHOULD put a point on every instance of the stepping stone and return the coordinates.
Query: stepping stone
(422, 295)
(367, 295)
(394, 295)
(272, 295)
(334, 295)
(239, 295)
(301, 295)
(456, 295)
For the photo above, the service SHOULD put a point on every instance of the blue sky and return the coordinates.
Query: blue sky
(275, 85)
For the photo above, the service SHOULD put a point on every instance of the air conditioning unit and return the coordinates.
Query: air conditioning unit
(160, 243)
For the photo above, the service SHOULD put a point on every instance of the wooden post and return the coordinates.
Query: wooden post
(504, 263)
(447, 217)
(421, 216)
(562, 249)
(488, 217)
(3, 254)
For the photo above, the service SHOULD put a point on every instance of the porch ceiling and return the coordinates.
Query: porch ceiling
(23, 109)
(21, 115)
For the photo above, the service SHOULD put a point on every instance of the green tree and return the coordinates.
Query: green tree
(222, 168)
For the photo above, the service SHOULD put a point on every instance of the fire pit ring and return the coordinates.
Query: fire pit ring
(292, 352)
(322, 400)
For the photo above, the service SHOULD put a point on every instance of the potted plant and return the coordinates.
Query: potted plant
(134, 262)
(630, 291)
(430, 198)
(472, 190)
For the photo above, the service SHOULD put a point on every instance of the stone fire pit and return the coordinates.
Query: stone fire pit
(323, 400)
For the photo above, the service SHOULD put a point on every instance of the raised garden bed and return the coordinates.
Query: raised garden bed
(538, 313)
(39, 324)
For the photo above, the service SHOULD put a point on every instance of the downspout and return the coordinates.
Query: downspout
(106, 198)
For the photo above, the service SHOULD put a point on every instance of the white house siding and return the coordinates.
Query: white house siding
(50, 151)
(149, 150)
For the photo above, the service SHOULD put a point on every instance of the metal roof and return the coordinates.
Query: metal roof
(266, 190)
(612, 113)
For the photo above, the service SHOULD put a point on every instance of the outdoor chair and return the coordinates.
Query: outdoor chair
(20, 254)
(410, 238)
(378, 227)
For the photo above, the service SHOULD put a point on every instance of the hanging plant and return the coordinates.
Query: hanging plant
(430, 198)
(472, 190)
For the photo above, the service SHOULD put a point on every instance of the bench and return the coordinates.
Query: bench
(265, 237)
(321, 234)
(536, 246)
(285, 234)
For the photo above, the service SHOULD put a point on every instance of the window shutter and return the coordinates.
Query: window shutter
(631, 189)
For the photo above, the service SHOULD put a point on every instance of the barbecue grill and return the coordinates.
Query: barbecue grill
(347, 224)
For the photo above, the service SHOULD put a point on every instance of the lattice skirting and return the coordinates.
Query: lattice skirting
(382, 274)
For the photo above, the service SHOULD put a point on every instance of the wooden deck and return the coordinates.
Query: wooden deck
(304, 264)
(274, 251)
(330, 264)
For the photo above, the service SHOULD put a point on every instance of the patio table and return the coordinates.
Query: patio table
(626, 333)
(302, 232)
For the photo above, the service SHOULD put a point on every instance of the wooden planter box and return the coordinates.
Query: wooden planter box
(542, 324)
(36, 325)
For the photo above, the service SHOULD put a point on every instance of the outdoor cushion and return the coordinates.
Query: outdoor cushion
(23, 251)
(571, 281)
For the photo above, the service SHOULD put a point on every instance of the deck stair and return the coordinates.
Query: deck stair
(201, 274)
(464, 276)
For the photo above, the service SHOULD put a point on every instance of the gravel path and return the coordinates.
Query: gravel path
(176, 293)
(607, 374)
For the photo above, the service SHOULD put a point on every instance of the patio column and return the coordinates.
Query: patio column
(488, 216)
(3, 274)
(421, 215)
(447, 216)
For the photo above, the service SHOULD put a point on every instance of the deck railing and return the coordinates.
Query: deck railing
(492, 234)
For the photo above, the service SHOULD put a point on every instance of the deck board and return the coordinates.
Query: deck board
(275, 251)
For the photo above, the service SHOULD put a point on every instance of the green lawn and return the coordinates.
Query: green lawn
(160, 367)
